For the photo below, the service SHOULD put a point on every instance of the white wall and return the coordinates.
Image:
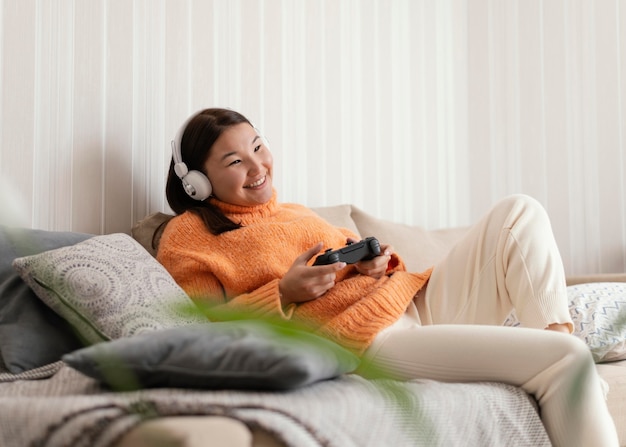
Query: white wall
(419, 111)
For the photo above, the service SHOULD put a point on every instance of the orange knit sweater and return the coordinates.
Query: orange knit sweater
(241, 269)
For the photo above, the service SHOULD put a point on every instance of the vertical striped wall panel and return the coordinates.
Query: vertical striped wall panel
(416, 111)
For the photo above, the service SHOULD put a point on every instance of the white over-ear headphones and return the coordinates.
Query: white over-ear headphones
(195, 183)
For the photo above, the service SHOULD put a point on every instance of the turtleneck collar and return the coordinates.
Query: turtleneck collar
(247, 214)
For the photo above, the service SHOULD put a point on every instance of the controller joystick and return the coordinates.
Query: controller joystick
(354, 252)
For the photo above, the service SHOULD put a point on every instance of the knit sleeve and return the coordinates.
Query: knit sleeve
(262, 302)
(207, 292)
(183, 257)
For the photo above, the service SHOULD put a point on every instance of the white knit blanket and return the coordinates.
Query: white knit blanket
(57, 406)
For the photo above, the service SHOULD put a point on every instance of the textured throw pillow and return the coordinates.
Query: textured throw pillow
(107, 287)
(31, 334)
(599, 314)
(235, 355)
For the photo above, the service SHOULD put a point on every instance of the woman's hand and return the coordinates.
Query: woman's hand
(377, 266)
(305, 283)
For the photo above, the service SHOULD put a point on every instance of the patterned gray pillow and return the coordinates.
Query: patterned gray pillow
(599, 314)
(107, 287)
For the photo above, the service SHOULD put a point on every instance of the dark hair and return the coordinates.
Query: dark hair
(198, 138)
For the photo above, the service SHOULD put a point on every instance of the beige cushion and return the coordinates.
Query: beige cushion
(339, 216)
(149, 229)
(420, 248)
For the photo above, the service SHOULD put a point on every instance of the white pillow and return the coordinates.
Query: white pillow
(108, 287)
(599, 314)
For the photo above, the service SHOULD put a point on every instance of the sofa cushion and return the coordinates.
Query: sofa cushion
(242, 354)
(108, 287)
(31, 334)
(419, 248)
(148, 231)
(339, 216)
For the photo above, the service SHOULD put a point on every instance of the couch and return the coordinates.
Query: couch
(76, 310)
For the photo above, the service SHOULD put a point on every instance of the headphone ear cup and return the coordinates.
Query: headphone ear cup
(197, 185)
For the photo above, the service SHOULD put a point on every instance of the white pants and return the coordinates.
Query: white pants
(509, 260)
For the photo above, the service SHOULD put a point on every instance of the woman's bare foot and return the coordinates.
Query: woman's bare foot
(559, 327)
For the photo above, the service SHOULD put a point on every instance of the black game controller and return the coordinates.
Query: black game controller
(353, 252)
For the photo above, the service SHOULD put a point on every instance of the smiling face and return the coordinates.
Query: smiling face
(240, 167)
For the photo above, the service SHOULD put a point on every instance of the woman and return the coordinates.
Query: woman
(234, 246)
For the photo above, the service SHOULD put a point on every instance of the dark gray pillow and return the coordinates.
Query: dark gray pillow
(31, 334)
(233, 355)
